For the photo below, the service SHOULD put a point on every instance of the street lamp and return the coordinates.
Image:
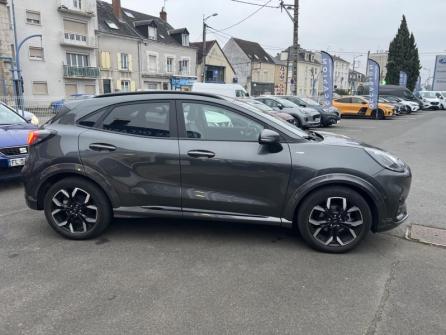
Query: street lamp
(203, 61)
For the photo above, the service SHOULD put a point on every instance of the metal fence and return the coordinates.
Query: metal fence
(43, 108)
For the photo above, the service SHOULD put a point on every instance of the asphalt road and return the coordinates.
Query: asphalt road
(185, 277)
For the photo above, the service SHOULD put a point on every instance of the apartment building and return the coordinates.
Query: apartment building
(138, 51)
(6, 46)
(341, 73)
(255, 68)
(63, 61)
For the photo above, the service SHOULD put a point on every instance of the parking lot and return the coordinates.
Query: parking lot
(186, 277)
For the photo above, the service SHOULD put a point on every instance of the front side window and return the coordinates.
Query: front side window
(151, 119)
(213, 123)
(345, 100)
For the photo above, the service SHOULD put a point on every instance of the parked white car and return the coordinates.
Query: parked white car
(442, 96)
(227, 90)
(429, 99)
(414, 106)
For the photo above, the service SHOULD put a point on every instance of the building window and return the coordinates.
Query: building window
(152, 33)
(75, 31)
(35, 53)
(77, 60)
(70, 89)
(185, 39)
(124, 61)
(32, 17)
(40, 88)
(152, 63)
(125, 85)
(77, 4)
(184, 66)
(170, 64)
(112, 25)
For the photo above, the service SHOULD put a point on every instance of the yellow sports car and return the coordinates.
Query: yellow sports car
(359, 106)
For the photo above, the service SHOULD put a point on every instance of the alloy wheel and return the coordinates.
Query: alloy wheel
(74, 210)
(336, 222)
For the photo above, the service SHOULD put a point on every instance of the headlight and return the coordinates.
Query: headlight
(35, 120)
(386, 160)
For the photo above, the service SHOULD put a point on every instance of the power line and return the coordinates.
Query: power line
(249, 16)
(254, 4)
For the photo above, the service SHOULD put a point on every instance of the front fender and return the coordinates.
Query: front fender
(332, 179)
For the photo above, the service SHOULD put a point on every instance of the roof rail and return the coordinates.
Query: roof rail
(209, 95)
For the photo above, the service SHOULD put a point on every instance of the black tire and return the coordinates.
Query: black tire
(297, 122)
(333, 228)
(76, 208)
(378, 114)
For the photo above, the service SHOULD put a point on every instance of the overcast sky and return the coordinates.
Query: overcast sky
(346, 28)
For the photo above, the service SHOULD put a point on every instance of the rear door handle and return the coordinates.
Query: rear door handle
(102, 147)
(201, 153)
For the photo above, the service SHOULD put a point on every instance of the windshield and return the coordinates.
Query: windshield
(257, 104)
(430, 95)
(285, 103)
(271, 118)
(309, 101)
(8, 116)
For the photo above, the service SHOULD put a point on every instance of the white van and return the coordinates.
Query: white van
(228, 90)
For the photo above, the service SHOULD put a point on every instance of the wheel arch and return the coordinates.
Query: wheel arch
(52, 178)
(361, 186)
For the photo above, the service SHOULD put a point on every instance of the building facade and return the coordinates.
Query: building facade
(355, 79)
(254, 67)
(381, 58)
(308, 71)
(218, 68)
(142, 52)
(6, 84)
(63, 61)
(341, 73)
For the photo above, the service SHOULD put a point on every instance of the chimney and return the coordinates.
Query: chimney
(117, 8)
(163, 15)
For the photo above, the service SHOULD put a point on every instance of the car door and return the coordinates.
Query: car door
(134, 146)
(224, 169)
(359, 106)
(344, 105)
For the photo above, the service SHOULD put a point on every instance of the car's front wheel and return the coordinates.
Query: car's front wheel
(334, 219)
(77, 209)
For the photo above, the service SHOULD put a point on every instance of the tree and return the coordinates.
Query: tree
(403, 56)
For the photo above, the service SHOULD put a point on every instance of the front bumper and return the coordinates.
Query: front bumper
(311, 121)
(395, 187)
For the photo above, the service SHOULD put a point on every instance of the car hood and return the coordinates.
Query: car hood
(341, 140)
(14, 135)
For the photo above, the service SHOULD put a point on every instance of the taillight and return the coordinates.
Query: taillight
(38, 136)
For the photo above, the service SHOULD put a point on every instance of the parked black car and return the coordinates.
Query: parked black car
(328, 116)
(187, 155)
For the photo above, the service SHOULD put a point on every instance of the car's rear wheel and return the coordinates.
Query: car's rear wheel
(334, 219)
(77, 209)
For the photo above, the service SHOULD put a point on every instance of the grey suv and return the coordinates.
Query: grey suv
(189, 155)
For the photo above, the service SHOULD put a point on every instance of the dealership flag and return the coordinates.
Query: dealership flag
(403, 78)
(373, 77)
(327, 78)
(418, 86)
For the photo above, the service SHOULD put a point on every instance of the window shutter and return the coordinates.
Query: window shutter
(118, 85)
(107, 60)
(119, 61)
(130, 63)
(132, 86)
(103, 60)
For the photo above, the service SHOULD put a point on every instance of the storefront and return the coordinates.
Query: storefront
(182, 83)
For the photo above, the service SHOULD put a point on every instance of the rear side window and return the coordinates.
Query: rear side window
(151, 119)
(345, 100)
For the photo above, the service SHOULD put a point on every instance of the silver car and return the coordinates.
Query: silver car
(305, 117)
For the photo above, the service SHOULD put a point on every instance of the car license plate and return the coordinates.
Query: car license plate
(17, 162)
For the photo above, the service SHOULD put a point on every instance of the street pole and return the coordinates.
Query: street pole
(295, 45)
(203, 59)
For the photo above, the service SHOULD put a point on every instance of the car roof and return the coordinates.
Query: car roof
(153, 93)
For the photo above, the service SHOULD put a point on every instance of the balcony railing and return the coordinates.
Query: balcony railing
(87, 8)
(80, 72)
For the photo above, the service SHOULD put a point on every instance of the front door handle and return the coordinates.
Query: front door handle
(102, 147)
(201, 153)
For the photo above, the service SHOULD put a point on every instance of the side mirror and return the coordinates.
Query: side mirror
(269, 137)
(28, 119)
(280, 106)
